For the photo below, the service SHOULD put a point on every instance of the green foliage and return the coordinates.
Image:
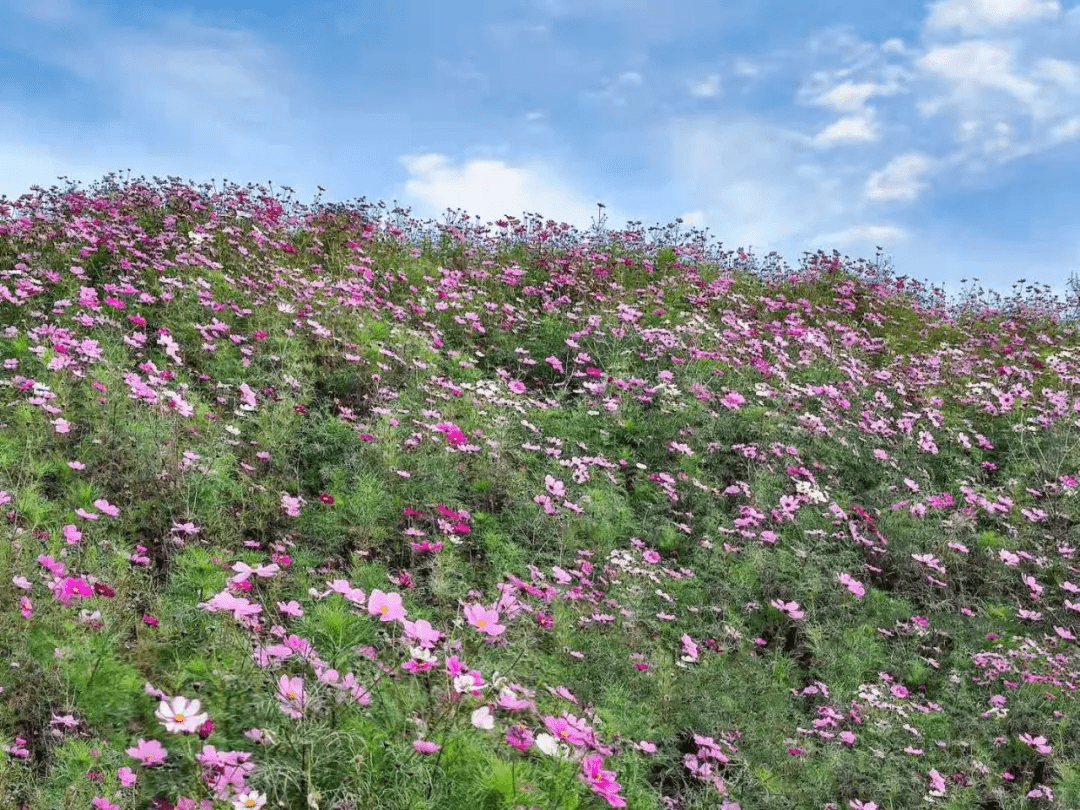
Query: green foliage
(651, 551)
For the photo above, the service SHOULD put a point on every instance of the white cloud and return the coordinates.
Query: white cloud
(900, 179)
(1059, 71)
(746, 68)
(978, 64)
(707, 87)
(849, 95)
(615, 90)
(980, 14)
(861, 235)
(852, 128)
(493, 189)
(751, 182)
(1065, 131)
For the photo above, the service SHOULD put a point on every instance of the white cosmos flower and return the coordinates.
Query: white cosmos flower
(422, 654)
(178, 714)
(249, 801)
(552, 747)
(483, 719)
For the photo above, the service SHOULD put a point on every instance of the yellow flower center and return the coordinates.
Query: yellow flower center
(249, 803)
(179, 718)
(291, 695)
(384, 608)
(481, 622)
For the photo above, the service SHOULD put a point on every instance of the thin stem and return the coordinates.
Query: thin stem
(566, 784)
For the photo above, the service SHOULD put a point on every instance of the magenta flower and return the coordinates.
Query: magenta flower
(565, 729)
(72, 586)
(454, 434)
(387, 606)
(519, 736)
(484, 619)
(149, 752)
(602, 782)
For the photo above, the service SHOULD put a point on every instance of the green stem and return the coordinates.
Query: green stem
(566, 784)
(431, 782)
(93, 672)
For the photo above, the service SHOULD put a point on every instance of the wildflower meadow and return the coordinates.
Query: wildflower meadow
(315, 511)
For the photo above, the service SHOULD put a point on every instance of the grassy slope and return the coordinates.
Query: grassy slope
(794, 518)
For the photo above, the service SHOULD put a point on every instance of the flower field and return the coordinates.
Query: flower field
(307, 512)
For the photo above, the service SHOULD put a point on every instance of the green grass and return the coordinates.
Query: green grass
(746, 541)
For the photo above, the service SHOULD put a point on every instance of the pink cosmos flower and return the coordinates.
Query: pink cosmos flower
(291, 695)
(519, 736)
(602, 782)
(566, 729)
(180, 715)
(426, 746)
(422, 631)
(73, 586)
(484, 620)
(149, 752)
(790, 608)
(387, 606)
(1038, 743)
(852, 584)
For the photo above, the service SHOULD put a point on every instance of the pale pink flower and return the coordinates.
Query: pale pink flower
(387, 606)
(291, 696)
(484, 619)
(422, 631)
(149, 752)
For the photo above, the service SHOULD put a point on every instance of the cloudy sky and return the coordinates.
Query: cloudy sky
(946, 132)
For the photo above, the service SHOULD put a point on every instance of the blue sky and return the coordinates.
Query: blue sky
(946, 132)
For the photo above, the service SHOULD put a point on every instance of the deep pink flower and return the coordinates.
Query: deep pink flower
(602, 782)
(519, 736)
(74, 586)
